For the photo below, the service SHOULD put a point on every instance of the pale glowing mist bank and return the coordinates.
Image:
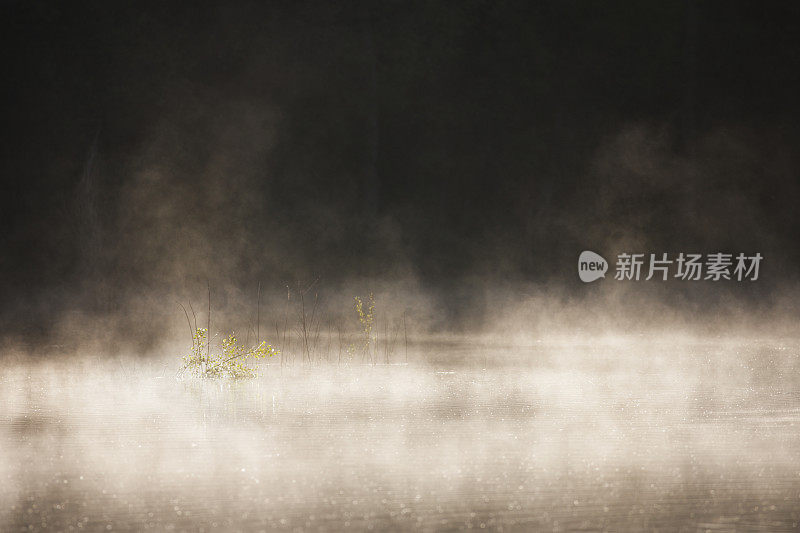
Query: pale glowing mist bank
(615, 435)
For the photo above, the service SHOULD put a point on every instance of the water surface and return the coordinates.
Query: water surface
(619, 436)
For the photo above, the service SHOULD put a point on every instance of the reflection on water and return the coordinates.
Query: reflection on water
(622, 437)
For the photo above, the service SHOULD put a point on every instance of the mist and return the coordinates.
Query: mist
(384, 205)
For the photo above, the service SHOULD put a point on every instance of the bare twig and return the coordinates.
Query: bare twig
(285, 321)
(314, 328)
(258, 315)
(330, 339)
(304, 335)
(405, 335)
(188, 321)
(339, 360)
(306, 324)
(277, 338)
(208, 344)
(193, 315)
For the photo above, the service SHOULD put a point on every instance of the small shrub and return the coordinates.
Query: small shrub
(231, 362)
(367, 320)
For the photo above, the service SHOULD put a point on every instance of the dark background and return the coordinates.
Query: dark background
(147, 147)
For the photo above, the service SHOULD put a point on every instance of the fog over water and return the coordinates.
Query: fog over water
(617, 435)
(177, 176)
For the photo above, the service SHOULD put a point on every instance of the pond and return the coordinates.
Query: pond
(564, 436)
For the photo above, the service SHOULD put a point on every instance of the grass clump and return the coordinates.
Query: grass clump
(307, 339)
